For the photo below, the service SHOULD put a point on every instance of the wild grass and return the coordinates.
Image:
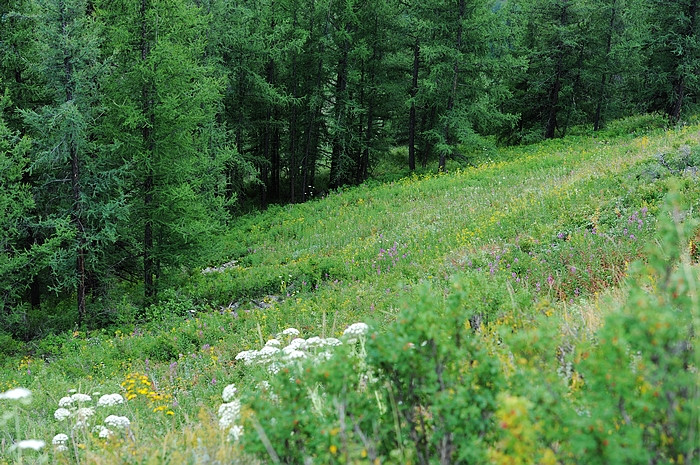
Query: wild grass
(540, 238)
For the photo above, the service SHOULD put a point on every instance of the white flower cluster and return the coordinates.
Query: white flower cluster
(117, 422)
(230, 413)
(102, 431)
(229, 393)
(73, 408)
(110, 400)
(62, 413)
(60, 442)
(34, 444)
(24, 396)
(274, 356)
(16, 394)
(82, 416)
(76, 398)
(355, 332)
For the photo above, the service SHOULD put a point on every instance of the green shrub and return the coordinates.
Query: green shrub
(641, 385)
(8, 345)
(423, 392)
(635, 125)
(171, 307)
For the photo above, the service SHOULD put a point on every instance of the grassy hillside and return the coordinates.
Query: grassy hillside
(506, 325)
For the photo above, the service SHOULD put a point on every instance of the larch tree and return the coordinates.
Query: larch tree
(555, 43)
(162, 94)
(74, 183)
(674, 55)
(25, 91)
(18, 263)
(463, 89)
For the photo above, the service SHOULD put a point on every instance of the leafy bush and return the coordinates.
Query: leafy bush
(422, 391)
(8, 345)
(635, 125)
(641, 384)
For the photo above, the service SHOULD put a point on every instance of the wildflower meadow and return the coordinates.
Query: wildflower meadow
(539, 307)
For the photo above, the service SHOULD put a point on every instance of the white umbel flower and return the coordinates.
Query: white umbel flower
(229, 393)
(103, 432)
(110, 400)
(274, 368)
(264, 385)
(34, 444)
(83, 413)
(296, 355)
(247, 356)
(62, 413)
(273, 342)
(291, 332)
(267, 352)
(228, 413)
(313, 342)
(356, 329)
(60, 439)
(80, 424)
(235, 433)
(16, 394)
(65, 402)
(78, 397)
(117, 422)
(61, 448)
(297, 343)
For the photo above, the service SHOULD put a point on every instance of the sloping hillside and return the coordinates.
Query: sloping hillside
(503, 320)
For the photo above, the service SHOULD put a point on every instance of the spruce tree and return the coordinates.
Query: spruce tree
(26, 91)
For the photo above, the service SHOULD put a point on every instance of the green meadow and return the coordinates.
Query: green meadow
(539, 306)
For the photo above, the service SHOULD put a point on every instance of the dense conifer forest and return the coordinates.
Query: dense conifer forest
(349, 231)
(133, 131)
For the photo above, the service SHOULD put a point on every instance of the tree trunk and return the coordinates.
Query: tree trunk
(554, 101)
(412, 112)
(551, 126)
(369, 134)
(363, 170)
(272, 132)
(276, 165)
(604, 77)
(312, 128)
(574, 90)
(338, 175)
(449, 137)
(76, 210)
(428, 118)
(148, 185)
(264, 163)
(679, 86)
(357, 178)
(293, 125)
